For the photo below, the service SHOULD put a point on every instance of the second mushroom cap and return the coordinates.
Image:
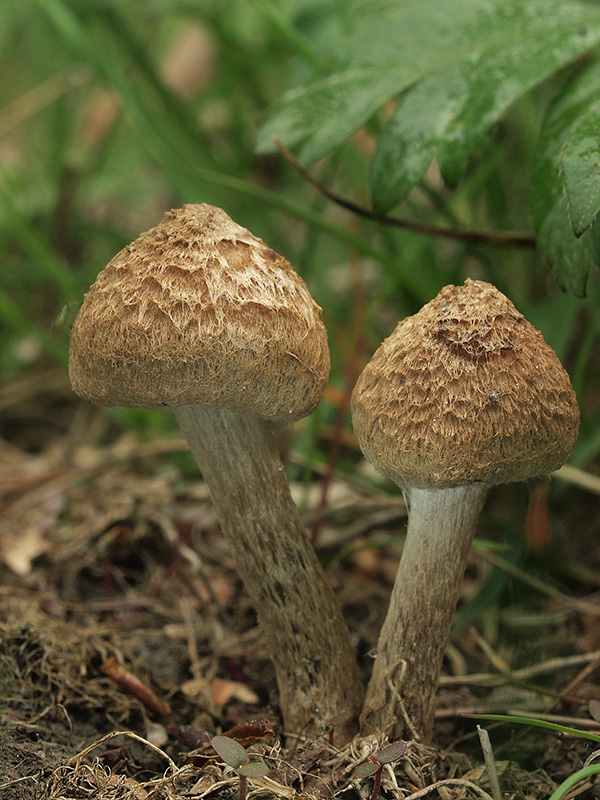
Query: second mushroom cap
(465, 391)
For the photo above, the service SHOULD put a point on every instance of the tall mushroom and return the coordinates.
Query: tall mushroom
(462, 396)
(200, 316)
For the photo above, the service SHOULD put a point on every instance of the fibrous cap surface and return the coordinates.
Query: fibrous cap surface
(466, 391)
(199, 311)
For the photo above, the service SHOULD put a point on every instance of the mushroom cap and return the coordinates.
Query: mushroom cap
(199, 311)
(464, 392)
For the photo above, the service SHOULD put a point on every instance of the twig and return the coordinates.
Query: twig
(357, 788)
(131, 684)
(394, 689)
(490, 764)
(569, 602)
(16, 781)
(449, 782)
(489, 238)
(578, 477)
(491, 679)
(78, 756)
(581, 675)
(488, 651)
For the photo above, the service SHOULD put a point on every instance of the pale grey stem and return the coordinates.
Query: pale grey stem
(306, 636)
(490, 762)
(415, 632)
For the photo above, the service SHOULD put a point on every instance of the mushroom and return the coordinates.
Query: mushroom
(462, 396)
(200, 316)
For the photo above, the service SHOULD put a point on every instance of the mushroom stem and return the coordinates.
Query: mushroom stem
(415, 633)
(306, 635)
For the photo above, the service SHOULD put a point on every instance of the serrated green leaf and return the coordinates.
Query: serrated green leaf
(448, 114)
(580, 165)
(541, 37)
(571, 258)
(392, 46)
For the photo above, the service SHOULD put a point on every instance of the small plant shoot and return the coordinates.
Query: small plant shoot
(236, 757)
(375, 764)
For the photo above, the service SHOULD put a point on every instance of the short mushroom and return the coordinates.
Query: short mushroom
(200, 316)
(462, 396)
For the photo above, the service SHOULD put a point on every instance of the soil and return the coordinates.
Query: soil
(128, 642)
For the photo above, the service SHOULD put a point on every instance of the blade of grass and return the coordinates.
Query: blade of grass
(42, 259)
(69, 27)
(26, 106)
(178, 120)
(111, 51)
(541, 586)
(536, 723)
(287, 32)
(16, 320)
(573, 779)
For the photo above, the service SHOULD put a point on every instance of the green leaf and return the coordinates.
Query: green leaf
(541, 37)
(487, 52)
(534, 722)
(391, 753)
(448, 115)
(571, 258)
(408, 144)
(255, 769)
(580, 165)
(391, 46)
(366, 770)
(574, 779)
(230, 751)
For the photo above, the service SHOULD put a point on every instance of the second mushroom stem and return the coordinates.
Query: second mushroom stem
(305, 632)
(415, 633)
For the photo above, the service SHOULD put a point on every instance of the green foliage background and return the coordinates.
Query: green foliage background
(469, 115)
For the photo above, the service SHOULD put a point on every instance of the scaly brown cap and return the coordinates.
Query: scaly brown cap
(198, 310)
(466, 391)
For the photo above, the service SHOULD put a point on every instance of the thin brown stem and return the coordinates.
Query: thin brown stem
(306, 635)
(489, 238)
(415, 633)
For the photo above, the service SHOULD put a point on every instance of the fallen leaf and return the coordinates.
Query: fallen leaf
(25, 537)
(222, 691)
